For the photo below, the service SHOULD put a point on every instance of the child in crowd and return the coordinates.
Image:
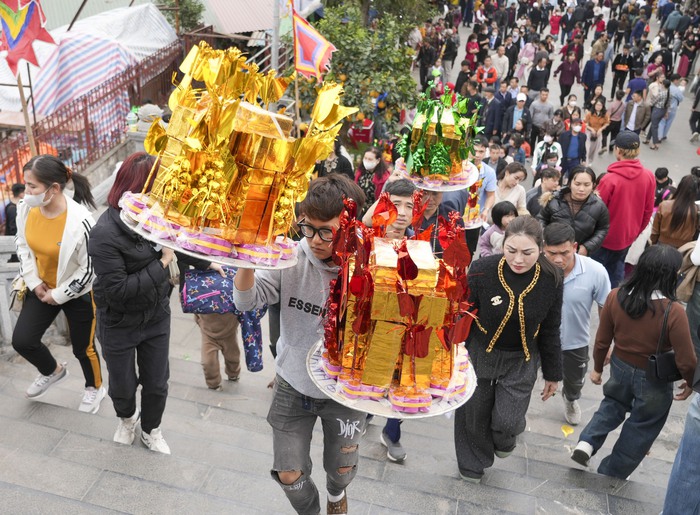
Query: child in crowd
(515, 150)
(302, 291)
(491, 242)
(664, 186)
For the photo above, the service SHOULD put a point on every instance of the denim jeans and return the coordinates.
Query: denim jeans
(665, 123)
(292, 417)
(614, 263)
(648, 403)
(683, 494)
(693, 312)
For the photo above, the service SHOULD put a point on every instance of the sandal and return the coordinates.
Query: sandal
(653, 147)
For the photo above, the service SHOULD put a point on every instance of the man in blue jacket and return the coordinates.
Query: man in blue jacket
(573, 148)
(491, 113)
(593, 74)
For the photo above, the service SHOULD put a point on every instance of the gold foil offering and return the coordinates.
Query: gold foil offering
(225, 161)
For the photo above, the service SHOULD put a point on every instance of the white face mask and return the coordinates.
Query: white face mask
(369, 165)
(548, 139)
(576, 128)
(572, 103)
(681, 88)
(37, 200)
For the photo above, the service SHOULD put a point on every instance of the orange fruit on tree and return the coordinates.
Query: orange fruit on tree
(360, 116)
(374, 93)
(342, 77)
(381, 104)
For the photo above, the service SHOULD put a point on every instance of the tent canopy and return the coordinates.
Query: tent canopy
(96, 49)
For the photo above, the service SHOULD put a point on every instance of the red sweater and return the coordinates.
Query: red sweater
(636, 339)
(628, 190)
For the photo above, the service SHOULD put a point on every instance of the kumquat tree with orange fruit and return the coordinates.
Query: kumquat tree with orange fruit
(373, 63)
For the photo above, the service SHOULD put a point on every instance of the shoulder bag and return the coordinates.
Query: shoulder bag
(661, 367)
(19, 291)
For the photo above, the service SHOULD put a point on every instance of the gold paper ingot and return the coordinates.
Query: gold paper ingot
(420, 251)
(382, 355)
(251, 118)
(257, 151)
(424, 366)
(443, 363)
(354, 355)
(431, 312)
(260, 188)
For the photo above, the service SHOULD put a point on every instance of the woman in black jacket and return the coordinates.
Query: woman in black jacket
(578, 206)
(518, 296)
(133, 312)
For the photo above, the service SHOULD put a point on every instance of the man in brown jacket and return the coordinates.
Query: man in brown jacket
(637, 114)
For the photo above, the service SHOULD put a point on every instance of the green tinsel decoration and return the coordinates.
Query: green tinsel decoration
(440, 162)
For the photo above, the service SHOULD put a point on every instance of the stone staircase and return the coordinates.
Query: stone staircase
(54, 459)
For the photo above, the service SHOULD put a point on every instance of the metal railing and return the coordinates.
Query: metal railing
(83, 130)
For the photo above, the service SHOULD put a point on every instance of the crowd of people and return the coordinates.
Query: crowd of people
(573, 239)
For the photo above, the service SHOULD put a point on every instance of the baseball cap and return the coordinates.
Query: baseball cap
(522, 97)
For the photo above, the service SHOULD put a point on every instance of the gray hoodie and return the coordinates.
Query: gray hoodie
(302, 291)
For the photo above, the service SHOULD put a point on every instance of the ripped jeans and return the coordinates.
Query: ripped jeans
(292, 417)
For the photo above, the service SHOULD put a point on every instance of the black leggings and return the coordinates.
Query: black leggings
(695, 122)
(36, 317)
(565, 90)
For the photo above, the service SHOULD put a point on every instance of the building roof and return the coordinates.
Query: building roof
(247, 16)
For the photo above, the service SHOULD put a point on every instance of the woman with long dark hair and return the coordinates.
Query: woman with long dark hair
(133, 311)
(676, 220)
(597, 121)
(576, 205)
(371, 174)
(518, 296)
(52, 246)
(633, 316)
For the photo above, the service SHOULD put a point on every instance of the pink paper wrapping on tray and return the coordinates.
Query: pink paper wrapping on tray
(286, 246)
(148, 218)
(207, 244)
(258, 254)
(359, 391)
(412, 404)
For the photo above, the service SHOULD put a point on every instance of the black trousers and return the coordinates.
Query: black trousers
(126, 346)
(495, 415)
(618, 83)
(36, 317)
(565, 90)
(612, 131)
(575, 363)
(695, 121)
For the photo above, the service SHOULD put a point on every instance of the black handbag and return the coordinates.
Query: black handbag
(661, 367)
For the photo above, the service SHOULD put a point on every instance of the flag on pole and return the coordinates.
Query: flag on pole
(312, 52)
(22, 22)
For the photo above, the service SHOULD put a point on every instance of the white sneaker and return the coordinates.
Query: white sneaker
(42, 383)
(694, 136)
(582, 453)
(125, 432)
(572, 412)
(92, 399)
(155, 441)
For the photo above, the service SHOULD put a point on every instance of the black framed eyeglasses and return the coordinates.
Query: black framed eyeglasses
(309, 231)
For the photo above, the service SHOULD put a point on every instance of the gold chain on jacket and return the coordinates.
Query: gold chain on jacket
(511, 302)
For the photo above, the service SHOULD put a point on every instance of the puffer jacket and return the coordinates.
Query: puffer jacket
(132, 287)
(591, 223)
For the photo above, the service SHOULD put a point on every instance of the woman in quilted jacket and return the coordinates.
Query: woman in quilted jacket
(132, 292)
(577, 205)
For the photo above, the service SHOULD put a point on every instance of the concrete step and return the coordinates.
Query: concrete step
(222, 452)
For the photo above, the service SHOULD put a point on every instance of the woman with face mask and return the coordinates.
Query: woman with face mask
(546, 146)
(52, 246)
(576, 205)
(371, 175)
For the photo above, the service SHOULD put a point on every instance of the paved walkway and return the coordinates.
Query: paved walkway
(54, 459)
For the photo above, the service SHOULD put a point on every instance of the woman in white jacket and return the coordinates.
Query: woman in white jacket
(52, 244)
